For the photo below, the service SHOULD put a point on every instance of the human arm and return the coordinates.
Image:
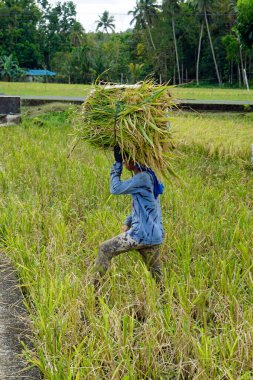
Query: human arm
(133, 185)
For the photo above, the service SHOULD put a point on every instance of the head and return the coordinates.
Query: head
(130, 165)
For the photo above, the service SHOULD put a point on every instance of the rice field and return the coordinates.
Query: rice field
(55, 211)
(79, 90)
(220, 134)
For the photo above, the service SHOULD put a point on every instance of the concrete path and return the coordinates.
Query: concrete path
(186, 104)
(221, 102)
(215, 105)
(80, 99)
(12, 327)
(30, 100)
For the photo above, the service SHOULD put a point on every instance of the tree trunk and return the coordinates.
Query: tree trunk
(146, 38)
(150, 36)
(199, 48)
(211, 44)
(242, 66)
(239, 76)
(175, 43)
(165, 69)
(249, 68)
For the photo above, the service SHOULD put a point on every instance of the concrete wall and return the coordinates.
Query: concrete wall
(9, 105)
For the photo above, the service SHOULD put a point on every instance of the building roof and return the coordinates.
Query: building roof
(40, 73)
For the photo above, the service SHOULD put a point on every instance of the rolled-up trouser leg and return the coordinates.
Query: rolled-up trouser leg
(111, 248)
(151, 257)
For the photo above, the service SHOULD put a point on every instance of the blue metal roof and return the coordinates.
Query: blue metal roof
(40, 72)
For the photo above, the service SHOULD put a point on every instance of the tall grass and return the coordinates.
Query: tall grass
(55, 211)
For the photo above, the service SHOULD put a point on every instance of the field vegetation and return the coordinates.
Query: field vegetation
(80, 90)
(221, 135)
(55, 211)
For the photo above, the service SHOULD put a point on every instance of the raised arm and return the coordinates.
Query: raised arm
(133, 185)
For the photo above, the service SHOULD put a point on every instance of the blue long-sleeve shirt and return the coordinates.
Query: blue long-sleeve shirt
(145, 221)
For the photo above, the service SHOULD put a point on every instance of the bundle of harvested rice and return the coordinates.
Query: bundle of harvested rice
(135, 118)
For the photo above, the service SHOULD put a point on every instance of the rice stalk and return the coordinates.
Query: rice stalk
(134, 118)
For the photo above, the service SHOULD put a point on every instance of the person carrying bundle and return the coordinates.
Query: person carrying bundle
(143, 229)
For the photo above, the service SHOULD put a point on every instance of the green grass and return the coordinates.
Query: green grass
(56, 89)
(43, 89)
(55, 211)
(213, 93)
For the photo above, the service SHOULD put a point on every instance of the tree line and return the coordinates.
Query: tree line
(182, 41)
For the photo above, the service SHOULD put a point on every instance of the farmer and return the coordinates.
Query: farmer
(143, 229)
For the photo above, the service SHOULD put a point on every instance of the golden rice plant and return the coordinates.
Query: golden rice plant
(135, 117)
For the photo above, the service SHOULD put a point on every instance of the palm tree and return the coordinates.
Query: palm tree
(143, 15)
(203, 7)
(106, 22)
(136, 70)
(77, 34)
(171, 6)
(77, 37)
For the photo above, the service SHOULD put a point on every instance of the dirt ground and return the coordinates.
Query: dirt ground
(14, 327)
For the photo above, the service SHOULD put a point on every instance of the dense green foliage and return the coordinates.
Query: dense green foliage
(54, 213)
(245, 22)
(182, 41)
